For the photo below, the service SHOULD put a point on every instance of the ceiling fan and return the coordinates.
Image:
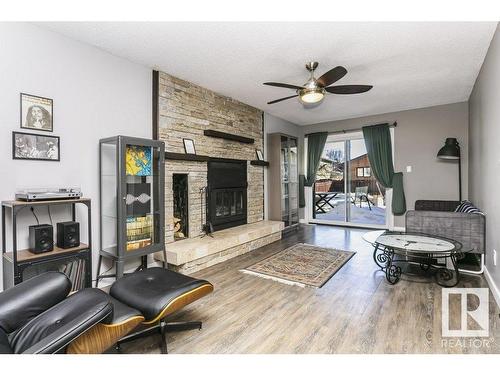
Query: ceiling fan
(314, 90)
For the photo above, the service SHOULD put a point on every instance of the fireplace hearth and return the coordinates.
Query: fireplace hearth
(227, 193)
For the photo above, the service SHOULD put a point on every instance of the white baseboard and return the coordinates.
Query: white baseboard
(493, 287)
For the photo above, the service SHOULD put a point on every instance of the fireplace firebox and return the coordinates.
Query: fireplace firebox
(227, 193)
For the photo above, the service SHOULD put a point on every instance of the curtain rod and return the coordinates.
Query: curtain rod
(393, 125)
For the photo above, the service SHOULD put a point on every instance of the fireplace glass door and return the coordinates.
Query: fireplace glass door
(227, 194)
(228, 202)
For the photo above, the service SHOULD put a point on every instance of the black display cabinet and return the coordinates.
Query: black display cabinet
(132, 205)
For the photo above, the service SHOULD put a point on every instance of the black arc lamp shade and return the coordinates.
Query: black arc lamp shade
(450, 150)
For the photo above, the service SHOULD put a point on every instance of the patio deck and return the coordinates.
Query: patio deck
(359, 215)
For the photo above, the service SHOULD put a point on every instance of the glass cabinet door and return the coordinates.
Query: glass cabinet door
(140, 187)
(289, 181)
(293, 181)
(108, 208)
(285, 175)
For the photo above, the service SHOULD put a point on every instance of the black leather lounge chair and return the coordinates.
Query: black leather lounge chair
(36, 316)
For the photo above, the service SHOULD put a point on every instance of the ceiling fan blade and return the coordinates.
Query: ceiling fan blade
(279, 100)
(348, 89)
(332, 76)
(285, 85)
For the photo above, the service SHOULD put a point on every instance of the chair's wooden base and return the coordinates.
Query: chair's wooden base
(102, 336)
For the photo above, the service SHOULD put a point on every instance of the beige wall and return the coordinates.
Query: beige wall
(484, 152)
(417, 138)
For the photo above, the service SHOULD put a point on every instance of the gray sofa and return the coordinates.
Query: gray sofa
(438, 218)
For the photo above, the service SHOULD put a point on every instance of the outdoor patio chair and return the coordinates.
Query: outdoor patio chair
(361, 194)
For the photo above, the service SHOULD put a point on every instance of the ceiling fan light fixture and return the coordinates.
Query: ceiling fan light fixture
(311, 96)
(314, 90)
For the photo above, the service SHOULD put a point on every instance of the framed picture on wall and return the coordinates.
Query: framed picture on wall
(36, 112)
(189, 146)
(28, 146)
(259, 155)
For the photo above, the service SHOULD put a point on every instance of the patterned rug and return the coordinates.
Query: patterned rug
(302, 265)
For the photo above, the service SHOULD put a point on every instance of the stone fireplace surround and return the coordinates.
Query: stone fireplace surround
(186, 110)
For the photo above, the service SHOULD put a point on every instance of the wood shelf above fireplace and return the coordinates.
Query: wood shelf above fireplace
(260, 163)
(187, 157)
(204, 158)
(228, 136)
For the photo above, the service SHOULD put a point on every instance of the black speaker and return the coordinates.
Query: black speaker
(41, 238)
(68, 234)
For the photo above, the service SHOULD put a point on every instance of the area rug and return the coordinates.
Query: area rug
(302, 265)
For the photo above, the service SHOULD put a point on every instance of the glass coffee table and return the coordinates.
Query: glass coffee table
(393, 249)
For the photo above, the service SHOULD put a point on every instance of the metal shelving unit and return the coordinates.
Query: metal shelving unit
(20, 265)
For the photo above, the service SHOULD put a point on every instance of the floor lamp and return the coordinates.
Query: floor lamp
(451, 151)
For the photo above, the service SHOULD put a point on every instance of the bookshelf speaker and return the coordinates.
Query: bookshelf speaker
(68, 234)
(41, 238)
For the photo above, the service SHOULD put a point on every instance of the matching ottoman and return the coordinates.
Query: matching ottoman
(158, 293)
(143, 298)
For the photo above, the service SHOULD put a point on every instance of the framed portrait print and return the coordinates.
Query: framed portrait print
(36, 112)
(259, 155)
(189, 146)
(29, 146)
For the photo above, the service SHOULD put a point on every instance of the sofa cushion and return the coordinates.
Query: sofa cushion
(436, 205)
(465, 228)
(468, 208)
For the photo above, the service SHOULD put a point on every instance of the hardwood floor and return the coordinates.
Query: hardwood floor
(356, 311)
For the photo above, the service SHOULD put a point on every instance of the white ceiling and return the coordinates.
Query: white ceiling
(410, 65)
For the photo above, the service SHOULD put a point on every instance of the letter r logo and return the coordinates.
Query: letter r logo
(467, 314)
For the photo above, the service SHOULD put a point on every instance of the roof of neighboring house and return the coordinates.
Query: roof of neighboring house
(326, 160)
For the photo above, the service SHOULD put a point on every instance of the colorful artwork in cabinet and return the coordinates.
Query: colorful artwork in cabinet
(138, 160)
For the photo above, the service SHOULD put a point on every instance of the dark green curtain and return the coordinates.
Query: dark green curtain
(315, 145)
(379, 148)
(302, 198)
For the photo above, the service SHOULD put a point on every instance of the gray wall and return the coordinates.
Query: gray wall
(417, 138)
(274, 124)
(95, 95)
(484, 149)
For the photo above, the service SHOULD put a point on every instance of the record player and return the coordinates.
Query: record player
(43, 194)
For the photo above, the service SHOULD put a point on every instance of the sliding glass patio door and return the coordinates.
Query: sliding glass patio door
(345, 192)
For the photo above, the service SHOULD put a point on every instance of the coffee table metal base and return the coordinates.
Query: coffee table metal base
(388, 261)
